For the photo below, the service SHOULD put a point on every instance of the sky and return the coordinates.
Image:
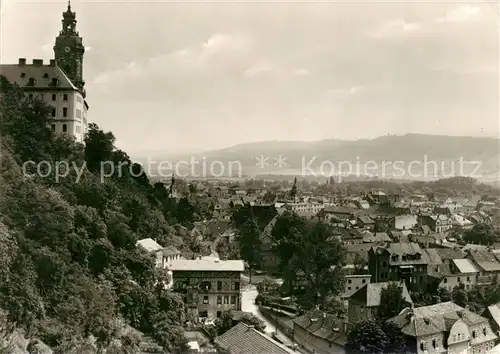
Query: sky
(184, 76)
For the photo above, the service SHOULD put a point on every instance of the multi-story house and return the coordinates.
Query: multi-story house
(337, 213)
(459, 272)
(366, 222)
(445, 328)
(210, 285)
(437, 223)
(399, 261)
(60, 83)
(487, 264)
(353, 283)
(364, 303)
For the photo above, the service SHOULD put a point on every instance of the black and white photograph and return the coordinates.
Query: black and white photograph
(249, 177)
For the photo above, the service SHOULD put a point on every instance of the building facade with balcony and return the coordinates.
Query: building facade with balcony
(210, 286)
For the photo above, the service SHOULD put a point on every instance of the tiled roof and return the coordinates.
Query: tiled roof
(449, 253)
(485, 260)
(432, 319)
(369, 295)
(403, 248)
(207, 264)
(243, 339)
(323, 325)
(42, 75)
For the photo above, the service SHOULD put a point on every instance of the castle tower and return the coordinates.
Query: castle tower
(69, 50)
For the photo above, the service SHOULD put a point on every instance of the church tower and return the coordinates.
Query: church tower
(69, 50)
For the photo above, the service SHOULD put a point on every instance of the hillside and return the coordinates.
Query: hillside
(404, 157)
(70, 273)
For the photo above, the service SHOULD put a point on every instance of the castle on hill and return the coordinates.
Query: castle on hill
(60, 82)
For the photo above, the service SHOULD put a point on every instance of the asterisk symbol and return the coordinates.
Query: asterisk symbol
(262, 161)
(280, 161)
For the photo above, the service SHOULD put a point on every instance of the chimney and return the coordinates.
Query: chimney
(52, 62)
(22, 61)
(37, 61)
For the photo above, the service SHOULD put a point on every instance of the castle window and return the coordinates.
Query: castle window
(233, 300)
(205, 300)
(53, 112)
(30, 96)
(65, 97)
(65, 112)
(219, 300)
(31, 81)
(434, 344)
(54, 81)
(473, 334)
(45, 76)
(484, 330)
(78, 113)
(53, 128)
(23, 74)
(226, 299)
(65, 128)
(54, 97)
(219, 285)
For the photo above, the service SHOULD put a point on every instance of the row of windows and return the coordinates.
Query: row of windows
(64, 112)
(64, 128)
(235, 285)
(349, 281)
(423, 344)
(487, 347)
(226, 300)
(54, 96)
(206, 300)
(458, 279)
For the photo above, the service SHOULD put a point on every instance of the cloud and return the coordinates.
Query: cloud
(301, 72)
(347, 91)
(397, 28)
(258, 69)
(461, 14)
(218, 49)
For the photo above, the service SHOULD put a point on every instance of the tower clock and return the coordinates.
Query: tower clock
(69, 49)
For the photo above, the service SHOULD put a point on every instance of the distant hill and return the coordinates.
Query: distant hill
(399, 157)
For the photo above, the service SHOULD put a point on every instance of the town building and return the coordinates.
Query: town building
(59, 83)
(445, 328)
(353, 283)
(399, 261)
(364, 303)
(210, 285)
(320, 332)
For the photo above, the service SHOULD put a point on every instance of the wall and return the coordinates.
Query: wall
(357, 312)
(354, 283)
(452, 281)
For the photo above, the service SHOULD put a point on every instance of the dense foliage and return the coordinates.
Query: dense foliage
(69, 265)
(373, 336)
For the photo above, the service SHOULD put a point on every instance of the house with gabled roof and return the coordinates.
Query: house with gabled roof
(445, 328)
(364, 303)
(399, 261)
(320, 332)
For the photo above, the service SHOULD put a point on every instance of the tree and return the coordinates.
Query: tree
(375, 337)
(308, 248)
(249, 243)
(459, 295)
(481, 234)
(226, 321)
(392, 301)
(99, 148)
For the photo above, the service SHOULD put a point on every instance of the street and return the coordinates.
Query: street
(248, 305)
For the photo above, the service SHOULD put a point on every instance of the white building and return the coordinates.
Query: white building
(59, 83)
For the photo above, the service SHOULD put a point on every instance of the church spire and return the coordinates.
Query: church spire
(69, 20)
